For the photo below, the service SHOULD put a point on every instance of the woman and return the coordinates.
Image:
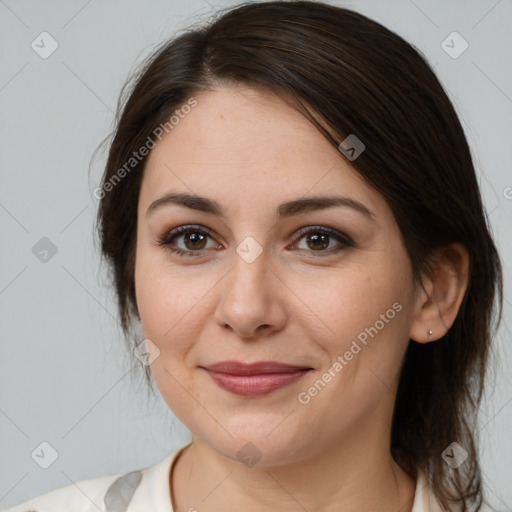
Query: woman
(291, 215)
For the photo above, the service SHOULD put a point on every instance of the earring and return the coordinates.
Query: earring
(430, 332)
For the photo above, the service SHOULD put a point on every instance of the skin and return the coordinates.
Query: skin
(250, 151)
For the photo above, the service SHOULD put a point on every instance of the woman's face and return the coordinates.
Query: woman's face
(269, 275)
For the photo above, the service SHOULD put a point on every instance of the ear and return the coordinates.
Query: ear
(439, 299)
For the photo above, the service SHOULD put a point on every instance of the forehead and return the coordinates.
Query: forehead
(250, 147)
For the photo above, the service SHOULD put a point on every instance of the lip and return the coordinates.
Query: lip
(254, 379)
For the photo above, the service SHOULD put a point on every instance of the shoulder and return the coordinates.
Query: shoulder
(119, 492)
(82, 496)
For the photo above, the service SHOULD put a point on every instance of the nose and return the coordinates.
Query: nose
(251, 300)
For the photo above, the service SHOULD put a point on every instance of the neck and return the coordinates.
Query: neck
(342, 477)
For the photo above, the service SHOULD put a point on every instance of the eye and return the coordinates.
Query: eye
(320, 239)
(193, 241)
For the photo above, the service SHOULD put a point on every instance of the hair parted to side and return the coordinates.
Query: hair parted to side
(348, 75)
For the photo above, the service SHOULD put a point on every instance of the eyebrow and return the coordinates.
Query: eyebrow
(285, 210)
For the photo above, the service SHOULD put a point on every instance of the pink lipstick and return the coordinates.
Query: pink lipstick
(255, 379)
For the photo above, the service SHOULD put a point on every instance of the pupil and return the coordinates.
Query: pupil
(315, 239)
(194, 238)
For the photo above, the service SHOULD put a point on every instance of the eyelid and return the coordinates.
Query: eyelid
(342, 238)
(324, 229)
(167, 238)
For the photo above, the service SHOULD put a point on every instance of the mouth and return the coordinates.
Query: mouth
(255, 379)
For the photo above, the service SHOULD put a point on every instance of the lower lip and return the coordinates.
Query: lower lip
(255, 385)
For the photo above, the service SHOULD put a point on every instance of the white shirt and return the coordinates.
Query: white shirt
(147, 490)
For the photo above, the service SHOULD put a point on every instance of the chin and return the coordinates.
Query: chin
(252, 446)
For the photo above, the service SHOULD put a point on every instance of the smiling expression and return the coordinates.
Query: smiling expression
(283, 254)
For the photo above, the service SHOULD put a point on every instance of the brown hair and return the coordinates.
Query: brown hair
(348, 75)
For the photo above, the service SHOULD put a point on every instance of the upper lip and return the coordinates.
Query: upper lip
(258, 368)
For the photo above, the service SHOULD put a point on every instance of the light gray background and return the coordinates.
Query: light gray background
(64, 370)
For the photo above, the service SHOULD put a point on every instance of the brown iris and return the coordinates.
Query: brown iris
(321, 241)
(197, 240)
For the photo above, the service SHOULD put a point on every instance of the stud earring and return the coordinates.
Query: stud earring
(430, 332)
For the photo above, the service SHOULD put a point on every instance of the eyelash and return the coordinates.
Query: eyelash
(167, 239)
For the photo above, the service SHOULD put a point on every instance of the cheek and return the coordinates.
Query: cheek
(163, 300)
(172, 302)
(362, 328)
(172, 315)
(349, 302)
(364, 316)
